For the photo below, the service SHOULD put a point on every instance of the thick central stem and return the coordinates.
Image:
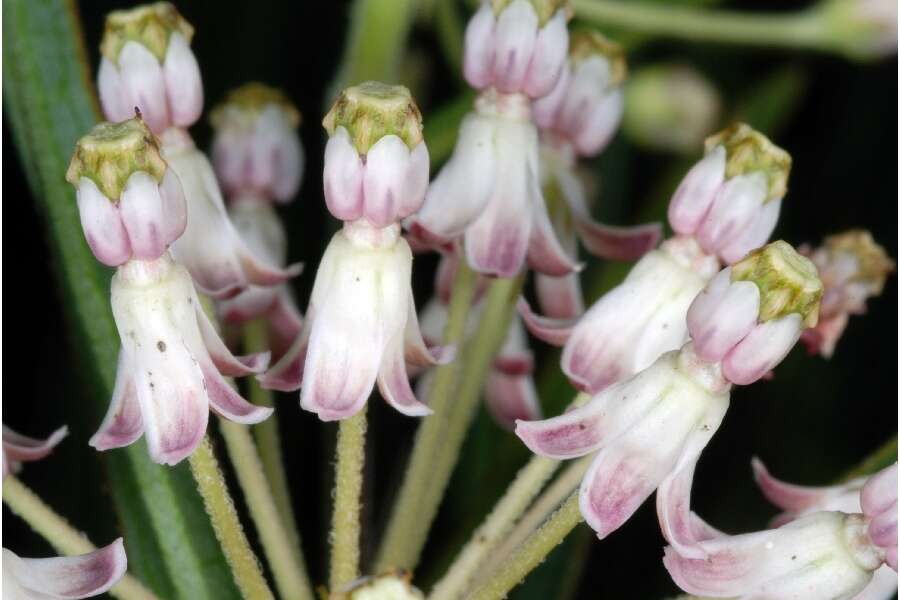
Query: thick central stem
(348, 483)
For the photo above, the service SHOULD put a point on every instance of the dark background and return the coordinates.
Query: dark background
(812, 423)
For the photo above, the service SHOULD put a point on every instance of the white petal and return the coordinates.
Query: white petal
(722, 315)
(514, 41)
(412, 194)
(102, 225)
(384, 180)
(545, 110)
(144, 85)
(755, 235)
(587, 87)
(142, 213)
(762, 349)
(696, 192)
(478, 53)
(174, 207)
(73, 577)
(549, 54)
(112, 96)
(601, 124)
(343, 177)
(734, 208)
(183, 85)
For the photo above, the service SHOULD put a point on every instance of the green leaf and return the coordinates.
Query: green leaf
(50, 104)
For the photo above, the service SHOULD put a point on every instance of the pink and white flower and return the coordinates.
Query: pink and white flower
(172, 365)
(18, 448)
(878, 500)
(519, 48)
(64, 577)
(147, 64)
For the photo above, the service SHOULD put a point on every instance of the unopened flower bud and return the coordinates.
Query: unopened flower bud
(256, 149)
(853, 268)
(80, 576)
(670, 107)
(376, 162)
(861, 29)
(731, 199)
(130, 203)
(585, 106)
(517, 46)
(752, 313)
(147, 63)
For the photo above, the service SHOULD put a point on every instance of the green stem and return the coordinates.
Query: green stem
(885, 455)
(268, 441)
(792, 30)
(398, 547)
(62, 536)
(244, 565)
(533, 551)
(348, 481)
(290, 574)
(450, 33)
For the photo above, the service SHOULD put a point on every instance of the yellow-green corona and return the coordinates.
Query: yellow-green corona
(371, 110)
(749, 151)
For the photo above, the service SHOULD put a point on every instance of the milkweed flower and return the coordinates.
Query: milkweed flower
(169, 97)
(797, 501)
(361, 326)
(147, 63)
(649, 430)
(853, 268)
(878, 500)
(259, 161)
(644, 316)
(577, 119)
(172, 360)
(18, 448)
(64, 577)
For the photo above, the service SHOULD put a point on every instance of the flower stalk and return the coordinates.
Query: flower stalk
(244, 565)
(346, 525)
(60, 534)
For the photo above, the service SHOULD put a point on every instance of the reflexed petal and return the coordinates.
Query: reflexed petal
(393, 383)
(511, 398)
(416, 351)
(287, 374)
(144, 85)
(600, 124)
(252, 302)
(226, 362)
(735, 207)
(762, 349)
(559, 297)
(478, 53)
(696, 192)
(786, 496)
(384, 180)
(141, 209)
(285, 323)
(545, 253)
(552, 331)
(343, 177)
(112, 96)
(68, 577)
(755, 235)
(183, 85)
(722, 315)
(123, 423)
(515, 356)
(549, 54)
(21, 448)
(262, 273)
(102, 225)
(226, 402)
(514, 42)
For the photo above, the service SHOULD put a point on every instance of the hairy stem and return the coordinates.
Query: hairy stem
(348, 481)
(289, 572)
(62, 536)
(533, 552)
(403, 538)
(244, 565)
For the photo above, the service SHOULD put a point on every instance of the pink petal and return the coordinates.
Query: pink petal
(550, 48)
(417, 352)
(478, 53)
(883, 528)
(600, 125)
(226, 362)
(618, 243)
(722, 315)
(762, 349)
(722, 575)
(393, 383)
(552, 331)
(880, 492)
(696, 192)
(735, 207)
(261, 273)
(102, 225)
(497, 242)
(755, 235)
(285, 323)
(109, 84)
(415, 183)
(511, 398)
(890, 558)
(559, 297)
(545, 110)
(250, 303)
(514, 364)
(384, 179)
(123, 423)
(514, 41)
(288, 167)
(21, 448)
(287, 374)
(183, 85)
(174, 207)
(69, 577)
(545, 253)
(343, 177)
(226, 402)
(144, 85)
(786, 496)
(141, 209)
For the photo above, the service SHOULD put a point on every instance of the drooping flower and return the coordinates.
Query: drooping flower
(18, 448)
(516, 46)
(259, 160)
(361, 326)
(130, 203)
(64, 577)
(798, 501)
(853, 269)
(649, 430)
(644, 316)
(577, 119)
(147, 63)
